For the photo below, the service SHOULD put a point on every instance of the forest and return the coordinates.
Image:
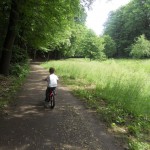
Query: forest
(45, 27)
(55, 30)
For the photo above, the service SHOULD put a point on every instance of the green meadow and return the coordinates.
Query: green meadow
(119, 89)
(122, 82)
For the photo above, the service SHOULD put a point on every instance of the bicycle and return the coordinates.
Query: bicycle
(51, 98)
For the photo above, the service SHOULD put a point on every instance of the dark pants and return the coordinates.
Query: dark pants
(48, 91)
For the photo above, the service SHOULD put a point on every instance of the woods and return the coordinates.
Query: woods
(127, 24)
(54, 30)
(40, 25)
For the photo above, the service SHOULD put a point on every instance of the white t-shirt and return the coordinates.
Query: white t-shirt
(52, 80)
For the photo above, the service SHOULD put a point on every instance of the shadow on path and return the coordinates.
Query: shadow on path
(69, 126)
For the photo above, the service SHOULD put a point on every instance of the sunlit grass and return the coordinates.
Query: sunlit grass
(119, 91)
(122, 82)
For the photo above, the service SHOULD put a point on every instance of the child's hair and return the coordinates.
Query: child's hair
(51, 70)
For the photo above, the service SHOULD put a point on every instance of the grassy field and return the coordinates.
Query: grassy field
(122, 86)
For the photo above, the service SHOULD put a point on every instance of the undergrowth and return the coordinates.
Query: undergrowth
(10, 84)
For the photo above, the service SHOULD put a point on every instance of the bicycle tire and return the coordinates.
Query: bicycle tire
(52, 101)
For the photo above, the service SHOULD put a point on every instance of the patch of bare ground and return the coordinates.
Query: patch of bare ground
(69, 126)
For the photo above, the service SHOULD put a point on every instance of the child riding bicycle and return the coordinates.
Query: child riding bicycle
(51, 82)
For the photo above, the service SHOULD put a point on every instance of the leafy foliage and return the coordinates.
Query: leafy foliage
(77, 37)
(127, 23)
(49, 18)
(19, 55)
(141, 48)
(45, 24)
(93, 46)
(86, 43)
(19, 70)
(110, 46)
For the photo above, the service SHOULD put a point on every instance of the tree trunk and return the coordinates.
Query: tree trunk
(10, 38)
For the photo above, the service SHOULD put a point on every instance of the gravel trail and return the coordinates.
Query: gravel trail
(69, 126)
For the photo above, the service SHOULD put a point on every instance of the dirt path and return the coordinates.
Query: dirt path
(70, 126)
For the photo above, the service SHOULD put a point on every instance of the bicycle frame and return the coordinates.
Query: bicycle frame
(50, 98)
(51, 92)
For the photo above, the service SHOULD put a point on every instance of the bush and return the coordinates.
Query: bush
(141, 48)
(19, 70)
(19, 55)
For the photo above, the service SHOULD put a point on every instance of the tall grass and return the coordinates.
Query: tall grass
(125, 83)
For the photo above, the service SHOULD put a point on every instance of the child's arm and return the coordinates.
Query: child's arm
(46, 79)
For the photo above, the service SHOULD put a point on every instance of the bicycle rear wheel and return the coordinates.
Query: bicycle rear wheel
(52, 101)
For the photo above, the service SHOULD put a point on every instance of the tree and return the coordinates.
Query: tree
(127, 23)
(10, 37)
(4, 15)
(85, 43)
(141, 48)
(110, 46)
(93, 46)
(77, 37)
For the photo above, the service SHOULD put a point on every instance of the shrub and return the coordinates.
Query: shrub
(19, 70)
(19, 55)
(141, 48)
